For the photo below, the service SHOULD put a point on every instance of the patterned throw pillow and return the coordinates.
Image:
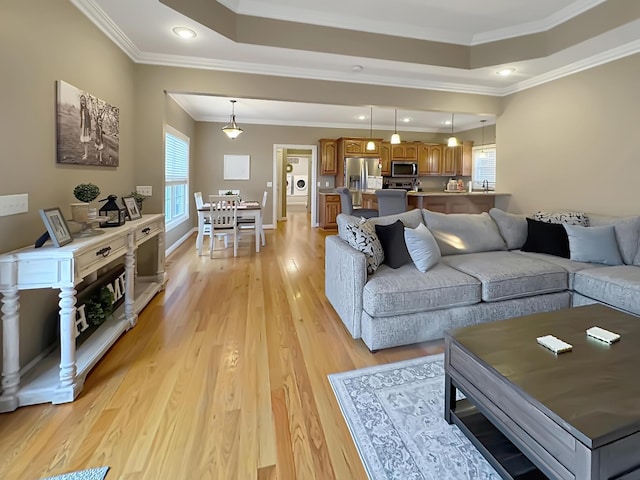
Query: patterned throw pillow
(363, 238)
(570, 218)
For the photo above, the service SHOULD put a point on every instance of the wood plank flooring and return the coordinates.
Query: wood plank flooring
(224, 377)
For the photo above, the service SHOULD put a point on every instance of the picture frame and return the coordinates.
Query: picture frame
(130, 204)
(57, 227)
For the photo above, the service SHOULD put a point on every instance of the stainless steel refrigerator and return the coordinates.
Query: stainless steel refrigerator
(358, 174)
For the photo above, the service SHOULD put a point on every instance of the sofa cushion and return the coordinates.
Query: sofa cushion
(544, 237)
(627, 234)
(512, 227)
(422, 246)
(406, 290)
(593, 244)
(458, 233)
(571, 218)
(393, 244)
(616, 286)
(506, 275)
(569, 265)
(361, 237)
(410, 218)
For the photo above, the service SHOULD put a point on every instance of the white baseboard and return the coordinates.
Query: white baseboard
(187, 235)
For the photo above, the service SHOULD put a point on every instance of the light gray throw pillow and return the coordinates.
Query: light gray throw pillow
(593, 244)
(464, 232)
(512, 227)
(422, 246)
(627, 234)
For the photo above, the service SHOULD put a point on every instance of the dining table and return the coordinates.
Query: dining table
(246, 209)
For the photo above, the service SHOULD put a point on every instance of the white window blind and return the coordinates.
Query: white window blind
(484, 166)
(176, 175)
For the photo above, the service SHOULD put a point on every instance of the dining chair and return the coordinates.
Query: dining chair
(347, 205)
(223, 212)
(206, 225)
(248, 223)
(391, 201)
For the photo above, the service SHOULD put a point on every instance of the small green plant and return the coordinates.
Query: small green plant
(99, 307)
(86, 192)
(139, 198)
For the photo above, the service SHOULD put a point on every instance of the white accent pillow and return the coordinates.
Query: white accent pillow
(593, 244)
(568, 218)
(422, 246)
(363, 238)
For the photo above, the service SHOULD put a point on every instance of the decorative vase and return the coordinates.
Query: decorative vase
(80, 212)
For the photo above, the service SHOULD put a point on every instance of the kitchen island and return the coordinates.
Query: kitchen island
(444, 202)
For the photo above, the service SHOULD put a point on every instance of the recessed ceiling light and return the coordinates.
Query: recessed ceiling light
(505, 72)
(184, 32)
(407, 119)
(361, 117)
(447, 122)
(357, 68)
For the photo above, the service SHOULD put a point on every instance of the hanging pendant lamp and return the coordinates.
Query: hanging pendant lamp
(370, 144)
(453, 141)
(482, 153)
(231, 129)
(395, 138)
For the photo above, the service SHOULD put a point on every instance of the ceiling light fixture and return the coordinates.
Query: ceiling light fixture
(453, 141)
(361, 117)
(184, 32)
(231, 129)
(407, 119)
(505, 72)
(395, 138)
(482, 144)
(370, 144)
(357, 68)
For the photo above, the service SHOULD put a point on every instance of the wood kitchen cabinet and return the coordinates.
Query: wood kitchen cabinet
(385, 158)
(328, 157)
(429, 159)
(452, 202)
(466, 157)
(450, 161)
(329, 209)
(357, 147)
(405, 151)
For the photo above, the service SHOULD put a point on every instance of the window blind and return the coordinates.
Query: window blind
(177, 159)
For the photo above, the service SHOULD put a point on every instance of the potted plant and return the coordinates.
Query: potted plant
(139, 198)
(86, 193)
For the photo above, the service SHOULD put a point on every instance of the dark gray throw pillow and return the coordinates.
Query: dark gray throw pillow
(543, 237)
(392, 239)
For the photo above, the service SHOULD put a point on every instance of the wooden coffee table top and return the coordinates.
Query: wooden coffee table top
(592, 391)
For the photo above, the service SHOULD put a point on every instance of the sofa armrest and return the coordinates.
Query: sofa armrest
(345, 273)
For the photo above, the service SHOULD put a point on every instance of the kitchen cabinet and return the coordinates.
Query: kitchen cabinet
(328, 157)
(329, 209)
(357, 147)
(450, 161)
(452, 202)
(429, 159)
(405, 151)
(465, 165)
(385, 158)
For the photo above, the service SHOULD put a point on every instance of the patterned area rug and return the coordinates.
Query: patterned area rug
(395, 414)
(91, 474)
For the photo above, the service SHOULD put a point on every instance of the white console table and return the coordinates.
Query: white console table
(59, 377)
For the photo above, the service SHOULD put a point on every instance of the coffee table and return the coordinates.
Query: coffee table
(534, 414)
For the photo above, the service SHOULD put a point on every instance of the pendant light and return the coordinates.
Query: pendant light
(482, 145)
(453, 141)
(395, 138)
(231, 129)
(370, 144)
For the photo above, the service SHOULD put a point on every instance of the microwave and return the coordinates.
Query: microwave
(404, 169)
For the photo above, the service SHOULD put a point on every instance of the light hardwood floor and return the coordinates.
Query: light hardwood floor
(224, 377)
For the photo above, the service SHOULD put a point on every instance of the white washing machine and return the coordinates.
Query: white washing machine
(289, 184)
(300, 185)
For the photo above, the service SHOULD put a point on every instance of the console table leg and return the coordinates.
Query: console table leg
(129, 283)
(449, 397)
(67, 305)
(10, 350)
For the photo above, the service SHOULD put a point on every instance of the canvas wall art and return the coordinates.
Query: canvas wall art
(87, 128)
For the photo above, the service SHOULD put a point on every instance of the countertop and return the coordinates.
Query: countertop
(438, 193)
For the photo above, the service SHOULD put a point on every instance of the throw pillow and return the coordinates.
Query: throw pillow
(393, 244)
(512, 227)
(593, 244)
(361, 237)
(570, 218)
(422, 246)
(627, 234)
(464, 232)
(544, 237)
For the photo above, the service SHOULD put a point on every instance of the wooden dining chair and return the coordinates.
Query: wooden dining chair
(223, 212)
(250, 222)
(206, 226)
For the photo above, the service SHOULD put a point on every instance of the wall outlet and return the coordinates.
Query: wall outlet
(144, 190)
(269, 184)
(13, 204)
(326, 184)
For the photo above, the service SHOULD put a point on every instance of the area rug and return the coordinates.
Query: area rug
(395, 415)
(90, 474)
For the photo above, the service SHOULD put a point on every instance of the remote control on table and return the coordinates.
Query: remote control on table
(554, 344)
(603, 335)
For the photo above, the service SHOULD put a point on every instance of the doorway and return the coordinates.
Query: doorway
(295, 173)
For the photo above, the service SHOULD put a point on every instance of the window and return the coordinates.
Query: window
(176, 178)
(484, 166)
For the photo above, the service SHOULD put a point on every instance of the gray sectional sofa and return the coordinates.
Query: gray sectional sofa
(482, 276)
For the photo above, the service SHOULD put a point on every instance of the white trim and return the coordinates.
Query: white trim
(174, 246)
(314, 178)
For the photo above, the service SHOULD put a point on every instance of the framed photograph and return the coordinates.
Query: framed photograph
(132, 208)
(56, 226)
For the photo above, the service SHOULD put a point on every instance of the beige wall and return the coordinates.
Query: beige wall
(573, 143)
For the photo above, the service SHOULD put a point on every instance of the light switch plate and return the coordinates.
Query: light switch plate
(269, 184)
(144, 190)
(14, 204)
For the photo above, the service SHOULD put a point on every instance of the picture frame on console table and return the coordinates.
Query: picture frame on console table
(57, 227)
(132, 208)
